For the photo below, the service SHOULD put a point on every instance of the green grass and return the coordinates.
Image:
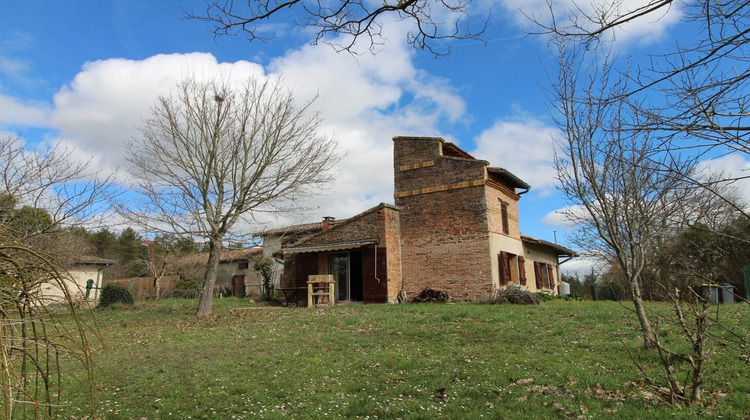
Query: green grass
(556, 360)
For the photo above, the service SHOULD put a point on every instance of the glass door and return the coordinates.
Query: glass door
(338, 265)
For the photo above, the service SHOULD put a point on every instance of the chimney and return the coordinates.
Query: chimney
(328, 222)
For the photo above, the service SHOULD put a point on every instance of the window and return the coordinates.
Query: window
(544, 273)
(511, 268)
(504, 215)
(242, 265)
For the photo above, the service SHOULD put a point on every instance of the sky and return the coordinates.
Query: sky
(85, 74)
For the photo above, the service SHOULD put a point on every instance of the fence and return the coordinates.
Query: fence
(143, 287)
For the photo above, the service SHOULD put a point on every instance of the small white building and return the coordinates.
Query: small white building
(80, 272)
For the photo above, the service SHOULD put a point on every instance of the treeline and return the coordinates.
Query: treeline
(695, 256)
(133, 253)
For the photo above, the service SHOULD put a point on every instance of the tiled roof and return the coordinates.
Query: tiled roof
(87, 259)
(229, 255)
(506, 174)
(561, 250)
(305, 227)
(450, 149)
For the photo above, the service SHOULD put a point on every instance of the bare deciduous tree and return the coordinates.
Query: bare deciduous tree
(32, 337)
(695, 97)
(630, 195)
(42, 192)
(212, 154)
(51, 180)
(433, 21)
(623, 190)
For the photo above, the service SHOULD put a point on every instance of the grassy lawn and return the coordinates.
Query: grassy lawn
(556, 360)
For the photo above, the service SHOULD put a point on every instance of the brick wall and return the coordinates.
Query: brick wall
(494, 197)
(444, 226)
(391, 228)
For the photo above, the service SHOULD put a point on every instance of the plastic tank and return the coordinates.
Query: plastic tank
(727, 295)
(564, 288)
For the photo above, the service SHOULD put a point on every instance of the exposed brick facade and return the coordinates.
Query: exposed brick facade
(444, 225)
(455, 227)
(372, 234)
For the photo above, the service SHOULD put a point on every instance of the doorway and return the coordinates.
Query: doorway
(346, 268)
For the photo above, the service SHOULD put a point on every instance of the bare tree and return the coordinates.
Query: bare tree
(213, 154)
(433, 21)
(50, 180)
(32, 337)
(42, 192)
(695, 97)
(623, 190)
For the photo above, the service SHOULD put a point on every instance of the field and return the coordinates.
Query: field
(557, 360)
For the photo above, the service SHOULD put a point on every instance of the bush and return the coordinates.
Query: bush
(514, 295)
(430, 295)
(545, 297)
(115, 293)
(187, 289)
(265, 267)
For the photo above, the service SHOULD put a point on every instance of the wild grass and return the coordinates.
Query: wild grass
(560, 359)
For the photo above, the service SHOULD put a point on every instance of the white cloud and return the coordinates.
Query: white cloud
(561, 217)
(581, 266)
(101, 109)
(732, 166)
(364, 102)
(15, 112)
(524, 146)
(642, 31)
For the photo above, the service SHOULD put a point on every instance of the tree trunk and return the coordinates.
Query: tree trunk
(649, 339)
(209, 280)
(157, 279)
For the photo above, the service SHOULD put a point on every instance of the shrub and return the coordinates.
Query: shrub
(515, 295)
(431, 295)
(545, 297)
(265, 267)
(187, 289)
(115, 293)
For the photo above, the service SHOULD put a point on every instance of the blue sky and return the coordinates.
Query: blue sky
(84, 73)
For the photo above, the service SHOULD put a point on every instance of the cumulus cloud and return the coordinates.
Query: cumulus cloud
(642, 31)
(364, 103)
(15, 112)
(581, 266)
(524, 146)
(734, 166)
(561, 218)
(102, 108)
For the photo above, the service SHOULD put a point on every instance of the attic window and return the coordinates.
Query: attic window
(504, 214)
(242, 265)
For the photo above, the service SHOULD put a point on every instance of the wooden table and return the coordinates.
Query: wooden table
(291, 293)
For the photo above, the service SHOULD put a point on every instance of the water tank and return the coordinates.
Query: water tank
(564, 288)
(710, 292)
(727, 295)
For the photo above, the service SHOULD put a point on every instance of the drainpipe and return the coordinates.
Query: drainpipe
(376, 263)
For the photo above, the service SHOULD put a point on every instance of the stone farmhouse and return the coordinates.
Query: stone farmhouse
(454, 227)
(235, 275)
